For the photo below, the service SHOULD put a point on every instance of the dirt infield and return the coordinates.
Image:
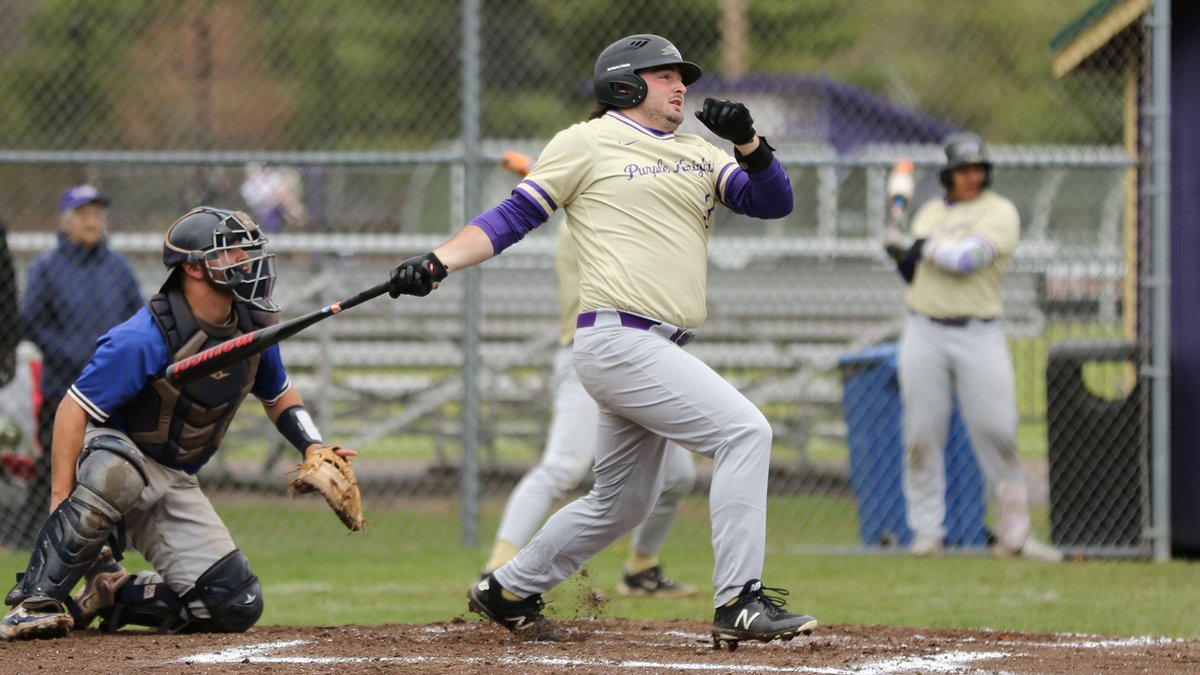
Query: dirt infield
(469, 646)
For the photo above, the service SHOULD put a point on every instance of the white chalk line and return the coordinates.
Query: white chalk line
(943, 662)
(948, 662)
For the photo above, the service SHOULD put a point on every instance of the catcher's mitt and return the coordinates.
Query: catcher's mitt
(329, 473)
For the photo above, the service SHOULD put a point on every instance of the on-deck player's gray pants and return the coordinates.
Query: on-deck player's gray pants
(649, 390)
(567, 460)
(972, 361)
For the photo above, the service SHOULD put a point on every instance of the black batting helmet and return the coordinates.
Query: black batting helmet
(965, 149)
(615, 79)
(205, 235)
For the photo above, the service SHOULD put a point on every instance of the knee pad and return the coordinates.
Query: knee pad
(231, 594)
(112, 474)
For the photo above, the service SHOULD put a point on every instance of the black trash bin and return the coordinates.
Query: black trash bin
(1098, 453)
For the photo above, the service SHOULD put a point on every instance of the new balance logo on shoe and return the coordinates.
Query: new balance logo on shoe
(744, 619)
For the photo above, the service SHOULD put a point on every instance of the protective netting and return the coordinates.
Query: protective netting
(340, 126)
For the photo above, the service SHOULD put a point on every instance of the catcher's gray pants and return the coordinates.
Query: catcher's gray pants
(649, 390)
(568, 457)
(173, 525)
(972, 361)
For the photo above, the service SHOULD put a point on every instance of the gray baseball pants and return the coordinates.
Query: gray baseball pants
(567, 459)
(938, 362)
(650, 391)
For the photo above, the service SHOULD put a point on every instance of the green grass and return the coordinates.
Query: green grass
(411, 568)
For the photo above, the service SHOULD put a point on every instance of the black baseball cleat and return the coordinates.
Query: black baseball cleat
(758, 616)
(36, 618)
(653, 582)
(522, 617)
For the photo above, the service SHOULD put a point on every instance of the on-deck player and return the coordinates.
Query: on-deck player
(639, 203)
(953, 345)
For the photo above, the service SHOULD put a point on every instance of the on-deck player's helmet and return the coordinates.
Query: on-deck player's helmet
(615, 79)
(965, 149)
(204, 234)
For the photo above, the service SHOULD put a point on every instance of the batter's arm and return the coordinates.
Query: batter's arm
(70, 422)
(469, 246)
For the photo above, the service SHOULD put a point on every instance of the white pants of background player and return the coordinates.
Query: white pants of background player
(936, 363)
(650, 391)
(567, 459)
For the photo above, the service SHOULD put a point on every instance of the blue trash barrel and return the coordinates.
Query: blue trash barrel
(873, 409)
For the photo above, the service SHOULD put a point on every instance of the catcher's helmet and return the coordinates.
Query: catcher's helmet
(615, 79)
(965, 149)
(206, 235)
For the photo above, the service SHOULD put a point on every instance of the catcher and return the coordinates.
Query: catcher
(127, 447)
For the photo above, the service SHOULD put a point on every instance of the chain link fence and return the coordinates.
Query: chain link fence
(345, 129)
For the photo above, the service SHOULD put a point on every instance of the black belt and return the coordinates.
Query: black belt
(679, 336)
(955, 321)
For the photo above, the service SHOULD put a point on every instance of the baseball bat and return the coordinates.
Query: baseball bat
(242, 347)
(515, 161)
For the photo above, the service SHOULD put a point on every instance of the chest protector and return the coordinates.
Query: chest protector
(181, 426)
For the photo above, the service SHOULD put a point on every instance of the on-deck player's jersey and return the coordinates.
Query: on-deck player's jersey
(634, 198)
(134, 352)
(938, 293)
(566, 267)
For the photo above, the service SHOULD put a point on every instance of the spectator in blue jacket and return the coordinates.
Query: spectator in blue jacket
(74, 293)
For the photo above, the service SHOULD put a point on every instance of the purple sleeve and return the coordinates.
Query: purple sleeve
(764, 194)
(509, 221)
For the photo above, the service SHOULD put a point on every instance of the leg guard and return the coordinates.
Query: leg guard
(145, 600)
(231, 594)
(107, 485)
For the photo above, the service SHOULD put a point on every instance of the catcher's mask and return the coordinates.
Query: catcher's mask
(965, 149)
(210, 236)
(615, 79)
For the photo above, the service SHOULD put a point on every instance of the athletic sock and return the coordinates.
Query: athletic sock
(502, 552)
(639, 563)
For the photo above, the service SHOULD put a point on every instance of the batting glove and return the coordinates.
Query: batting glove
(418, 276)
(727, 119)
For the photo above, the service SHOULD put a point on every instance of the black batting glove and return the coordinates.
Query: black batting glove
(727, 119)
(418, 276)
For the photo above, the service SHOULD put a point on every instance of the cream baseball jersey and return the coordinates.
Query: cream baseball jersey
(639, 207)
(940, 293)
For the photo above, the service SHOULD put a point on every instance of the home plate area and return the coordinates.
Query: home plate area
(468, 646)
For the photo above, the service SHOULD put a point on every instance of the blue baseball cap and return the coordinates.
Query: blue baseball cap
(79, 195)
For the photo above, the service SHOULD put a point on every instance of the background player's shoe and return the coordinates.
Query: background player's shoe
(653, 582)
(926, 546)
(1032, 549)
(758, 616)
(522, 617)
(100, 585)
(36, 618)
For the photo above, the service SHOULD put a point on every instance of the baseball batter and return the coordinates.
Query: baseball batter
(127, 447)
(953, 345)
(569, 454)
(639, 201)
